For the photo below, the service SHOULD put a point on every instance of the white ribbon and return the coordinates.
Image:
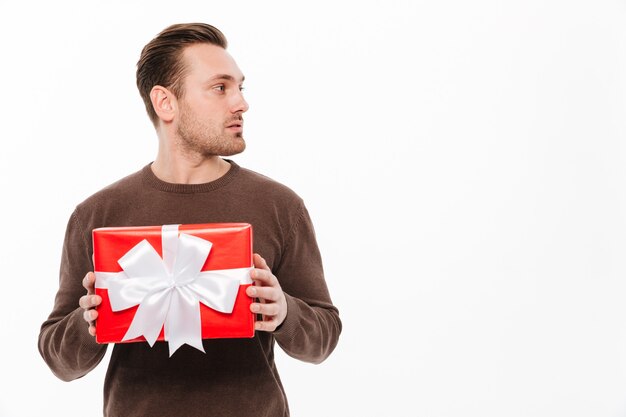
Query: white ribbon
(169, 290)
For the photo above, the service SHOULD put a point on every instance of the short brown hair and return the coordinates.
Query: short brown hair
(160, 62)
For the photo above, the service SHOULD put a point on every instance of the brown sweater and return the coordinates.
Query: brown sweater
(236, 377)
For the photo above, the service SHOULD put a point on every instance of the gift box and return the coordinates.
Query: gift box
(174, 283)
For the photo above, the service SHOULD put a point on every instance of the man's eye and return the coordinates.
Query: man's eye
(220, 87)
(241, 88)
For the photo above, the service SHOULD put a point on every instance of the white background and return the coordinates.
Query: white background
(463, 162)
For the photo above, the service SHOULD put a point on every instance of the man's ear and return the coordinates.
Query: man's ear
(164, 103)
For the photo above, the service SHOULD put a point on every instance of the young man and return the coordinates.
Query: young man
(192, 89)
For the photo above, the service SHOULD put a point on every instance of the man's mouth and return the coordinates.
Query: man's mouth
(235, 124)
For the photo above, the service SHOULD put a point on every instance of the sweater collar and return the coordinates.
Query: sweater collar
(151, 180)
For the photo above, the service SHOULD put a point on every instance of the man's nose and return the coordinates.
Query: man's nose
(239, 103)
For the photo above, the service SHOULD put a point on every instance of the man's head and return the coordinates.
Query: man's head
(189, 82)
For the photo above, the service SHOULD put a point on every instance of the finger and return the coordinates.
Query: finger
(268, 309)
(265, 293)
(92, 330)
(265, 326)
(89, 301)
(90, 315)
(265, 277)
(89, 282)
(84, 302)
(259, 262)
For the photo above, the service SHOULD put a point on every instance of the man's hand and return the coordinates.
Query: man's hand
(272, 305)
(89, 302)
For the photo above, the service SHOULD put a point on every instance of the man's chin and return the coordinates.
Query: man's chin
(234, 150)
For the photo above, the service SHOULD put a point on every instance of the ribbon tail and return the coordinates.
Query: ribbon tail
(183, 323)
(150, 317)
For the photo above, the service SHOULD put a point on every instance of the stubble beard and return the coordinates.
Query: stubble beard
(207, 139)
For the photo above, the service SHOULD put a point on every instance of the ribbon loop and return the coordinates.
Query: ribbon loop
(143, 261)
(192, 254)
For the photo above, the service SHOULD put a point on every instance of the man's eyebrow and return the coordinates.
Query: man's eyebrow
(226, 77)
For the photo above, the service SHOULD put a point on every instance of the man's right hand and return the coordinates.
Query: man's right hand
(89, 302)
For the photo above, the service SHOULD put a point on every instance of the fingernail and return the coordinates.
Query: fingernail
(255, 308)
(252, 291)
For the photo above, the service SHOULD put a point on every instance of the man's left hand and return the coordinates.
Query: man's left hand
(272, 303)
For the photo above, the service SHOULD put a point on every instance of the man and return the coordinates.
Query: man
(192, 89)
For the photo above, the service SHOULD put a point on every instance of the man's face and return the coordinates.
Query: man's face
(210, 113)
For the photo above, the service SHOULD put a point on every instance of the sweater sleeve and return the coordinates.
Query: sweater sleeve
(311, 329)
(64, 341)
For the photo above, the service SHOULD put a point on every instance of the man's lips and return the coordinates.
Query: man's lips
(235, 126)
(237, 123)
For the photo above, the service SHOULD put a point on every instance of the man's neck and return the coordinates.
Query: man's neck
(183, 170)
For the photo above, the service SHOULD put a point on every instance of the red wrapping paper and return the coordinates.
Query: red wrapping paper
(232, 248)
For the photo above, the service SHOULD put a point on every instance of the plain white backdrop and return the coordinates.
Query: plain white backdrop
(464, 164)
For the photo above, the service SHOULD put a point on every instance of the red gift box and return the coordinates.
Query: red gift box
(127, 268)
